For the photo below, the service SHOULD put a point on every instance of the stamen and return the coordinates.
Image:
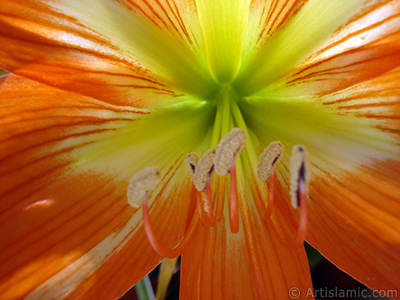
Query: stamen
(268, 159)
(192, 160)
(227, 149)
(298, 172)
(233, 205)
(265, 170)
(202, 182)
(203, 170)
(141, 184)
(154, 242)
(298, 190)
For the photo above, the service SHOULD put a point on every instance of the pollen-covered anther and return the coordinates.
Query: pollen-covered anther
(141, 184)
(298, 174)
(192, 159)
(203, 170)
(268, 159)
(229, 147)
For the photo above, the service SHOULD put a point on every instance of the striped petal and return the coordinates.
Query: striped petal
(366, 47)
(251, 264)
(66, 161)
(352, 137)
(104, 49)
(363, 205)
(307, 26)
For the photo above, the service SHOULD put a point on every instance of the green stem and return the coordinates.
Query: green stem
(144, 289)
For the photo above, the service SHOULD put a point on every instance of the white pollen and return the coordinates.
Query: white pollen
(192, 159)
(268, 159)
(204, 169)
(229, 147)
(142, 183)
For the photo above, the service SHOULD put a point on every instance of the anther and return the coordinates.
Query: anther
(268, 159)
(265, 170)
(203, 170)
(141, 184)
(229, 147)
(192, 160)
(298, 172)
(298, 190)
(202, 182)
(227, 150)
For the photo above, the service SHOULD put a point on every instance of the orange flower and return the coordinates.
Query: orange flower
(102, 89)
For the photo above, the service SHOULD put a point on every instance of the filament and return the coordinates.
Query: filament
(154, 242)
(271, 194)
(303, 223)
(233, 204)
(209, 204)
(200, 209)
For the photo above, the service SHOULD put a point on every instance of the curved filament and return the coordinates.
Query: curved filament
(160, 249)
(303, 223)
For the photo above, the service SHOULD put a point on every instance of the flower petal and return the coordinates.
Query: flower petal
(301, 33)
(267, 17)
(104, 48)
(366, 47)
(251, 264)
(353, 144)
(223, 24)
(363, 205)
(66, 161)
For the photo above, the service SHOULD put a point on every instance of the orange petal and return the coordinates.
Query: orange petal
(251, 264)
(64, 215)
(366, 47)
(359, 210)
(354, 221)
(102, 49)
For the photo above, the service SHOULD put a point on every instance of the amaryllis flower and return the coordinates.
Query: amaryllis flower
(104, 89)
